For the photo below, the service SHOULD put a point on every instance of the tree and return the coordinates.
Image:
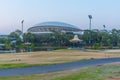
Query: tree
(7, 45)
(16, 35)
(115, 37)
(109, 43)
(28, 37)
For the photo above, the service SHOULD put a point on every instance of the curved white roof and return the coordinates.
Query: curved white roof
(60, 24)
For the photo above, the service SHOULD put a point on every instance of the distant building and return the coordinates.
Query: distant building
(51, 27)
(2, 46)
(3, 36)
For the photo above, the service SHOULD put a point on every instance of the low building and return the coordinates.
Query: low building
(3, 36)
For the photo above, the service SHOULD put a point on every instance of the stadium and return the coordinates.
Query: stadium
(51, 27)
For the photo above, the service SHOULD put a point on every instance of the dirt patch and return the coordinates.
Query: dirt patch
(112, 51)
(114, 78)
(51, 57)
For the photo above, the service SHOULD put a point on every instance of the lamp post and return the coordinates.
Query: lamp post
(22, 28)
(90, 17)
(22, 25)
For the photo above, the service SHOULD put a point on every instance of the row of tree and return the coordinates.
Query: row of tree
(102, 38)
(94, 39)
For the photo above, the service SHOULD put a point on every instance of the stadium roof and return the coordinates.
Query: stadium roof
(54, 23)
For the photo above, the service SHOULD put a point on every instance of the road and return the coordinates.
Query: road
(56, 67)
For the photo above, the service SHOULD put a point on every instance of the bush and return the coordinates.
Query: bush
(96, 46)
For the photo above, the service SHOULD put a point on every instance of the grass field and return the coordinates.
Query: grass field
(12, 60)
(109, 72)
(106, 72)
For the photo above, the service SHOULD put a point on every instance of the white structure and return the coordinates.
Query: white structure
(75, 39)
(51, 27)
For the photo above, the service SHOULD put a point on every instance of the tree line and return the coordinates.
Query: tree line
(96, 39)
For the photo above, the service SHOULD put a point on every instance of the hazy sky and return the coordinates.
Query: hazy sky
(104, 12)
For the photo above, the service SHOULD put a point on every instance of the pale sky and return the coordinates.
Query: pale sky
(75, 12)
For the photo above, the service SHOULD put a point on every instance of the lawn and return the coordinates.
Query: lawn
(15, 60)
(106, 72)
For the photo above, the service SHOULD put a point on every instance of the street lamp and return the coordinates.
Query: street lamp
(90, 17)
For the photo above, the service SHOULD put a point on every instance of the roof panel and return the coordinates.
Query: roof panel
(55, 24)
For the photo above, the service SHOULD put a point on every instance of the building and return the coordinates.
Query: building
(51, 27)
(4, 36)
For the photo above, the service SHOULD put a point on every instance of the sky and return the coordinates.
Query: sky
(75, 12)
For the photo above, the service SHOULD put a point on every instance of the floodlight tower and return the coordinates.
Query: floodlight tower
(22, 29)
(22, 25)
(90, 17)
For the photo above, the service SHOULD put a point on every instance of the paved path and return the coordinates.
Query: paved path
(57, 67)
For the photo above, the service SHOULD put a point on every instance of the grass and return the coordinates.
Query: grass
(23, 65)
(109, 72)
(20, 65)
(87, 74)
(6, 66)
(96, 73)
(20, 60)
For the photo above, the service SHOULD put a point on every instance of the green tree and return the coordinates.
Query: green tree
(109, 43)
(7, 45)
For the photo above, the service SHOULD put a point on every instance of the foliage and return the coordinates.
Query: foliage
(108, 39)
(96, 46)
(95, 38)
(7, 45)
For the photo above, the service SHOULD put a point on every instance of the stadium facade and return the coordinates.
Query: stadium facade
(51, 27)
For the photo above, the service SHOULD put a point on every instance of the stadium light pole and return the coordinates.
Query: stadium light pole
(22, 28)
(22, 25)
(90, 17)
